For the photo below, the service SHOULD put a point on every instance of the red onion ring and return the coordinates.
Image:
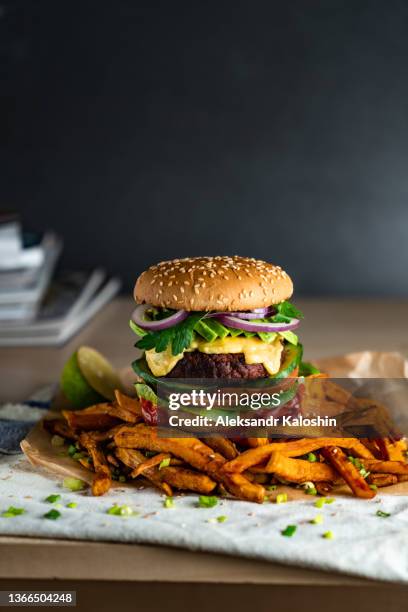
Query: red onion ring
(253, 326)
(138, 318)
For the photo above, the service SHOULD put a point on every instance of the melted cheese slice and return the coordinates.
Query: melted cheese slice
(254, 350)
(161, 364)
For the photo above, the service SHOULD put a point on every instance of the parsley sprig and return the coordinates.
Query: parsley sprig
(285, 311)
(180, 336)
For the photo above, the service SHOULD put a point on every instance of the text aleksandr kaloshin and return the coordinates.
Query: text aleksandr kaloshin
(176, 420)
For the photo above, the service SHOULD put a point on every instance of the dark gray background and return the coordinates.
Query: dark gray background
(150, 130)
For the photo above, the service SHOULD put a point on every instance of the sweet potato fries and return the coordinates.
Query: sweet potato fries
(112, 440)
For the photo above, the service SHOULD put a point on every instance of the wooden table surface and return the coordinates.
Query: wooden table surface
(331, 327)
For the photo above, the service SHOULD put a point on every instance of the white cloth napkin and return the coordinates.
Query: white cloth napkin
(363, 543)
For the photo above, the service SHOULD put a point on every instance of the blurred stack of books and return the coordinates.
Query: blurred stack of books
(36, 307)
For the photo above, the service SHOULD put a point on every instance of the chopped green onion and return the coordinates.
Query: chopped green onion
(318, 520)
(357, 464)
(319, 503)
(168, 502)
(328, 535)
(51, 499)
(373, 487)
(221, 519)
(12, 511)
(164, 463)
(271, 487)
(382, 514)
(74, 484)
(57, 441)
(281, 498)
(52, 515)
(207, 501)
(312, 458)
(309, 488)
(122, 478)
(72, 505)
(364, 473)
(72, 450)
(78, 456)
(117, 510)
(289, 531)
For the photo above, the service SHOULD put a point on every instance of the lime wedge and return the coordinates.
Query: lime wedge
(88, 378)
(75, 387)
(98, 372)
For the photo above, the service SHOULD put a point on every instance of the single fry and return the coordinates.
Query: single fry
(130, 404)
(382, 480)
(184, 479)
(240, 486)
(96, 417)
(386, 467)
(222, 445)
(298, 470)
(102, 480)
(348, 471)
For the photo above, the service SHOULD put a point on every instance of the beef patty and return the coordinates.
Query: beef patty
(226, 365)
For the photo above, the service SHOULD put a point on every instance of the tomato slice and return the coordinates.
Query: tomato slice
(149, 412)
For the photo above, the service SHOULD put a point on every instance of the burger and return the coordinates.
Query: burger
(214, 317)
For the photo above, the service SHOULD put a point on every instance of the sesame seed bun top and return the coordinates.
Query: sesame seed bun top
(213, 283)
